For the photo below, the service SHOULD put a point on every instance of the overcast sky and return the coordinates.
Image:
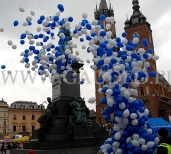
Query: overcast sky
(158, 14)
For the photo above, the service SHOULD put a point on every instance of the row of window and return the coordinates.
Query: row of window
(31, 106)
(24, 117)
(23, 128)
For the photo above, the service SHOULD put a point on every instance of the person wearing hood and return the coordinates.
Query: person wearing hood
(164, 142)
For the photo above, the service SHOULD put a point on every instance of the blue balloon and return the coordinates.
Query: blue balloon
(150, 50)
(70, 19)
(39, 21)
(26, 60)
(56, 18)
(29, 23)
(23, 36)
(129, 48)
(124, 34)
(107, 117)
(113, 61)
(81, 40)
(137, 150)
(3, 67)
(102, 33)
(152, 74)
(22, 42)
(103, 100)
(42, 17)
(60, 7)
(145, 43)
(15, 23)
(145, 56)
(102, 17)
(118, 39)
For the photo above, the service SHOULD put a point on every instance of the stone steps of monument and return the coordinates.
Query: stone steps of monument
(57, 137)
(76, 143)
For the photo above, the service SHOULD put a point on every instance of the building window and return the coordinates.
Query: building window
(14, 128)
(14, 116)
(147, 90)
(141, 91)
(24, 117)
(32, 117)
(24, 128)
(5, 122)
(4, 114)
(136, 35)
(24, 106)
(4, 131)
(33, 127)
(33, 107)
(15, 106)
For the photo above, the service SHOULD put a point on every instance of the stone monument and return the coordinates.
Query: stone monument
(65, 126)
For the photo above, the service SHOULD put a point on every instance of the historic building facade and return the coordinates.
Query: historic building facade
(22, 117)
(156, 92)
(3, 118)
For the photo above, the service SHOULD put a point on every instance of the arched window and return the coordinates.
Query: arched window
(136, 35)
(157, 91)
(15, 106)
(147, 90)
(141, 91)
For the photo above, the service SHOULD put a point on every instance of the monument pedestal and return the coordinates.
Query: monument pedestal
(54, 139)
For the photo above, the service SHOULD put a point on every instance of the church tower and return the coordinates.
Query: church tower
(108, 12)
(138, 25)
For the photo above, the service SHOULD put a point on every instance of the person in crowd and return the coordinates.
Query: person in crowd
(31, 152)
(164, 142)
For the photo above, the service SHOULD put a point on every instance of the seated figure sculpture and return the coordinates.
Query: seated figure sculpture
(77, 116)
(49, 113)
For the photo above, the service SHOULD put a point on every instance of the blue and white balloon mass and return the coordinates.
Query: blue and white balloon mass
(122, 71)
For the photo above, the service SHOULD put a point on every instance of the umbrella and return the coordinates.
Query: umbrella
(7, 137)
(23, 139)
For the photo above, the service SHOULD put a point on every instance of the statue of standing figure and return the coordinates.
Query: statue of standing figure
(49, 113)
(77, 116)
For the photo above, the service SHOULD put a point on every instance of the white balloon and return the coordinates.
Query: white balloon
(141, 141)
(124, 41)
(83, 47)
(116, 127)
(25, 23)
(155, 57)
(21, 9)
(149, 131)
(116, 144)
(32, 13)
(150, 144)
(118, 119)
(1, 29)
(110, 101)
(9, 72)
(135, 84)
(94, 22)
(126, 113)
(109, 92)
(108, 26)
(119, 151)
(122, 106)
(126, 94)
(14, 46)
(135, 136)
(31, 42)
(10, 42)
(100, 91)
(27, 32)
(125, 121)
(117, 136)
(38, 29)
(91, 100)
(156, 140)
(128, 140)
(135, 122)
(135, 40)
(29, 18)
(143, 147)
(84, 15)
(88, 60)
(133, 116)
(117, 68)
(135, 143)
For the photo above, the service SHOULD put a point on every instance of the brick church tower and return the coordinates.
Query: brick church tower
(148, 91)
(156, 91)
(108, 12)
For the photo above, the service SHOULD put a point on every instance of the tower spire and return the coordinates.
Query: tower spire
(136, 6)
(103, 5)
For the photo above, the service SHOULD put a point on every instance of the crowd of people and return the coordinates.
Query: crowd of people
(4, 146)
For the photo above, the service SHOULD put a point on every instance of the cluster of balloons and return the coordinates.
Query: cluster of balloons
(119, 71)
